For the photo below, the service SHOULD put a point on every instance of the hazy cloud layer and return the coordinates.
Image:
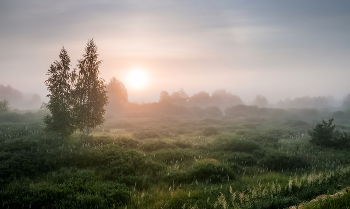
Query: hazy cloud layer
(276, 49)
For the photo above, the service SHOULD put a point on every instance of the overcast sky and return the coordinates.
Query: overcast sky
(278, 49)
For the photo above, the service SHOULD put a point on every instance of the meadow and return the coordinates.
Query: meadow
(187, 162)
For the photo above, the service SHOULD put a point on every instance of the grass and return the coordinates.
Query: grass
(170, 162)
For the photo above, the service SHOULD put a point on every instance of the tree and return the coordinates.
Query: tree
(325, 134)
(89, 93)
(164, 96)
(60, 84)
(260, 101)
(4, 106)
(201, 98)
(117, 95)
(179, 97)
(222, 98)
(346, 103)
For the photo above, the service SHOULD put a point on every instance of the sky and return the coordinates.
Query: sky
(277, 49)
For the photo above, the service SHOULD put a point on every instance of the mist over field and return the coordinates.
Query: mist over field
(276, 49)
(174, 104)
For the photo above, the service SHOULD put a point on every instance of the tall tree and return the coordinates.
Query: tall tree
(60, 86)
(117, 95)
(90, 94)
(260, 101)
(4, 106)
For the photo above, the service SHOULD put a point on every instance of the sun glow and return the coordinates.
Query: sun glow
(137, 79)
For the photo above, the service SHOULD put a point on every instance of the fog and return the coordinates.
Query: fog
(221, 98)
(20, 100)
(294, 54)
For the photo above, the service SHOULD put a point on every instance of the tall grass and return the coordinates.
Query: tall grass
(169, 163)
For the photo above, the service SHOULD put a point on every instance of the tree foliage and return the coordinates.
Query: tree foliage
(326, 134)
(60, 85)
(77, 100)
(260, 101)
(89, 93)
(117, 95)
(4, 106)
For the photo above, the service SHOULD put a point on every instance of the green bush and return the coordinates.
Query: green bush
(209, 131)
(270, 140)
(181, 198)
(172, 156)
(326, 134)
(145, 134)
(76, 192)
(279, 161)
(244, 159)
(4, 106)
(236, 145)
(214, 172)
(183, 144)
(205, 171)
(11, 117)
(154, 145)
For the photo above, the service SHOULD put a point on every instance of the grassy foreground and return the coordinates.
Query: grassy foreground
(168, 163)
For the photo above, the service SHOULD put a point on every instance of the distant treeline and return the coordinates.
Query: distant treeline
(220, 103)
(222, 99)
(18, 100)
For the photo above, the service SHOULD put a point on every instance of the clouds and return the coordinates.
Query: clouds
(185, 39)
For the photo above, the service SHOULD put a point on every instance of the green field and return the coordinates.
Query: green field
(244, 161)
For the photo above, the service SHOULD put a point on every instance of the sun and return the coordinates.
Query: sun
(137, 79)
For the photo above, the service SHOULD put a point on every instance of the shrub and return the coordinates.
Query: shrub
(127, 142)
(11, 117)
(240, 146)
(212, 111)
(209, 131)
(181, 198)
(75, 192)
(244, 159)
(148, 134)
(325, 134)
(4, 106)
(232, 143)
(205, 171)
(183, 144)
(214, 172)
(154, 145)
(278, 161)
(270, 140)
(170, 156)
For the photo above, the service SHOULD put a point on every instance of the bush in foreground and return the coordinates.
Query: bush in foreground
(326, 134)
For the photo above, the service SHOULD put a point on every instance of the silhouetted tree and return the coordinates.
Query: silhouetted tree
(260, 101)
(201, 98)
(179, 97)
(12, 95)
(90, 94)
(346, 103)
(305, 102)
(213, 112)
(117, 95)
(222, 98)
(164, 96)
(60, 104)
(242, 110)
(325, 134)
(4, 106)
